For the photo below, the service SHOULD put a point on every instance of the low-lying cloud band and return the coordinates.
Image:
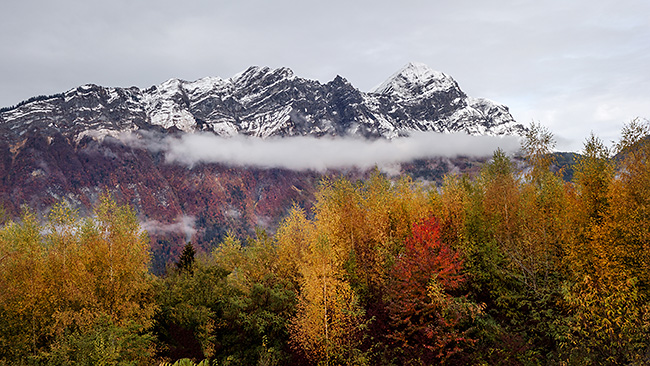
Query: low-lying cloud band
(319, 154)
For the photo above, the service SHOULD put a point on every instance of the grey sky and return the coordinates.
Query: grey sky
(575, 66)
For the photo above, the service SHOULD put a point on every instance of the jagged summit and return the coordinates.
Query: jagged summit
(414, 79)
(255, 73)
(263, 102)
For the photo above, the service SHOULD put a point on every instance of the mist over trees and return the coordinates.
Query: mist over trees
(509, 267)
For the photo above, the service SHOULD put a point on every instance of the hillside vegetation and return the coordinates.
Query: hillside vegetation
(508, 268)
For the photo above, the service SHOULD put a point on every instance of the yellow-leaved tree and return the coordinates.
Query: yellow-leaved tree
(293, 238)
(76, 290)
(609, 257)
(327, 325)
(24, 309)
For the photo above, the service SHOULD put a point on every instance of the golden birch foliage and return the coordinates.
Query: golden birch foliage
(261, 262)
(450, 205)
(492, 205)
(501, 199)
(366, 223)
(537, 251)
(608, 323)
(629, 224)
(607, 298)
(293, 237)
(66, 272)
(230, 254)
(116, 257)
(389, 211)
(339, 214)
(63, 258)
(588, 206)
(390, 208)
(327, 323)
(393, 208)
(69, 276)
(594, 172)
(24, 309)
(255, 263)
(612, 214)
(544, 203)
(537, 146)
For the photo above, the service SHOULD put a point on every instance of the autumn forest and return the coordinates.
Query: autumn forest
(512, 266)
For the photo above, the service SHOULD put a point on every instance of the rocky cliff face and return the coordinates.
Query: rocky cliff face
(61, 147)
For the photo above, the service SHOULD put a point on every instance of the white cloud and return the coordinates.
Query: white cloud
(183, 224)
(320, 154)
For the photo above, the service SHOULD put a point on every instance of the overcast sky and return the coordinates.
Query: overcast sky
(574, 66)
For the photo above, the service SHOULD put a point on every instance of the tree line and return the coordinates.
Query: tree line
(31, 100)
(511, 267)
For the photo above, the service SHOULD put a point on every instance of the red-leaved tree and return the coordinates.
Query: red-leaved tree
(428, 324)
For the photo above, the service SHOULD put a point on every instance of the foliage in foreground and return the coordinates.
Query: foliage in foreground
(75, 292)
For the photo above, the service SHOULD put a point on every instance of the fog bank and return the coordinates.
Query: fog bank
(319, 154)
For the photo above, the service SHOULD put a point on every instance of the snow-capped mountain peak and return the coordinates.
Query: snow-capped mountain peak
(254, 73)
(415, 79)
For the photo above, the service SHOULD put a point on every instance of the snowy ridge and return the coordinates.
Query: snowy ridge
(265, 102)
(415, 80)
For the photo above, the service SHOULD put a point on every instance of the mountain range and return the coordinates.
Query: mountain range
(266, 102)
(67, 147)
